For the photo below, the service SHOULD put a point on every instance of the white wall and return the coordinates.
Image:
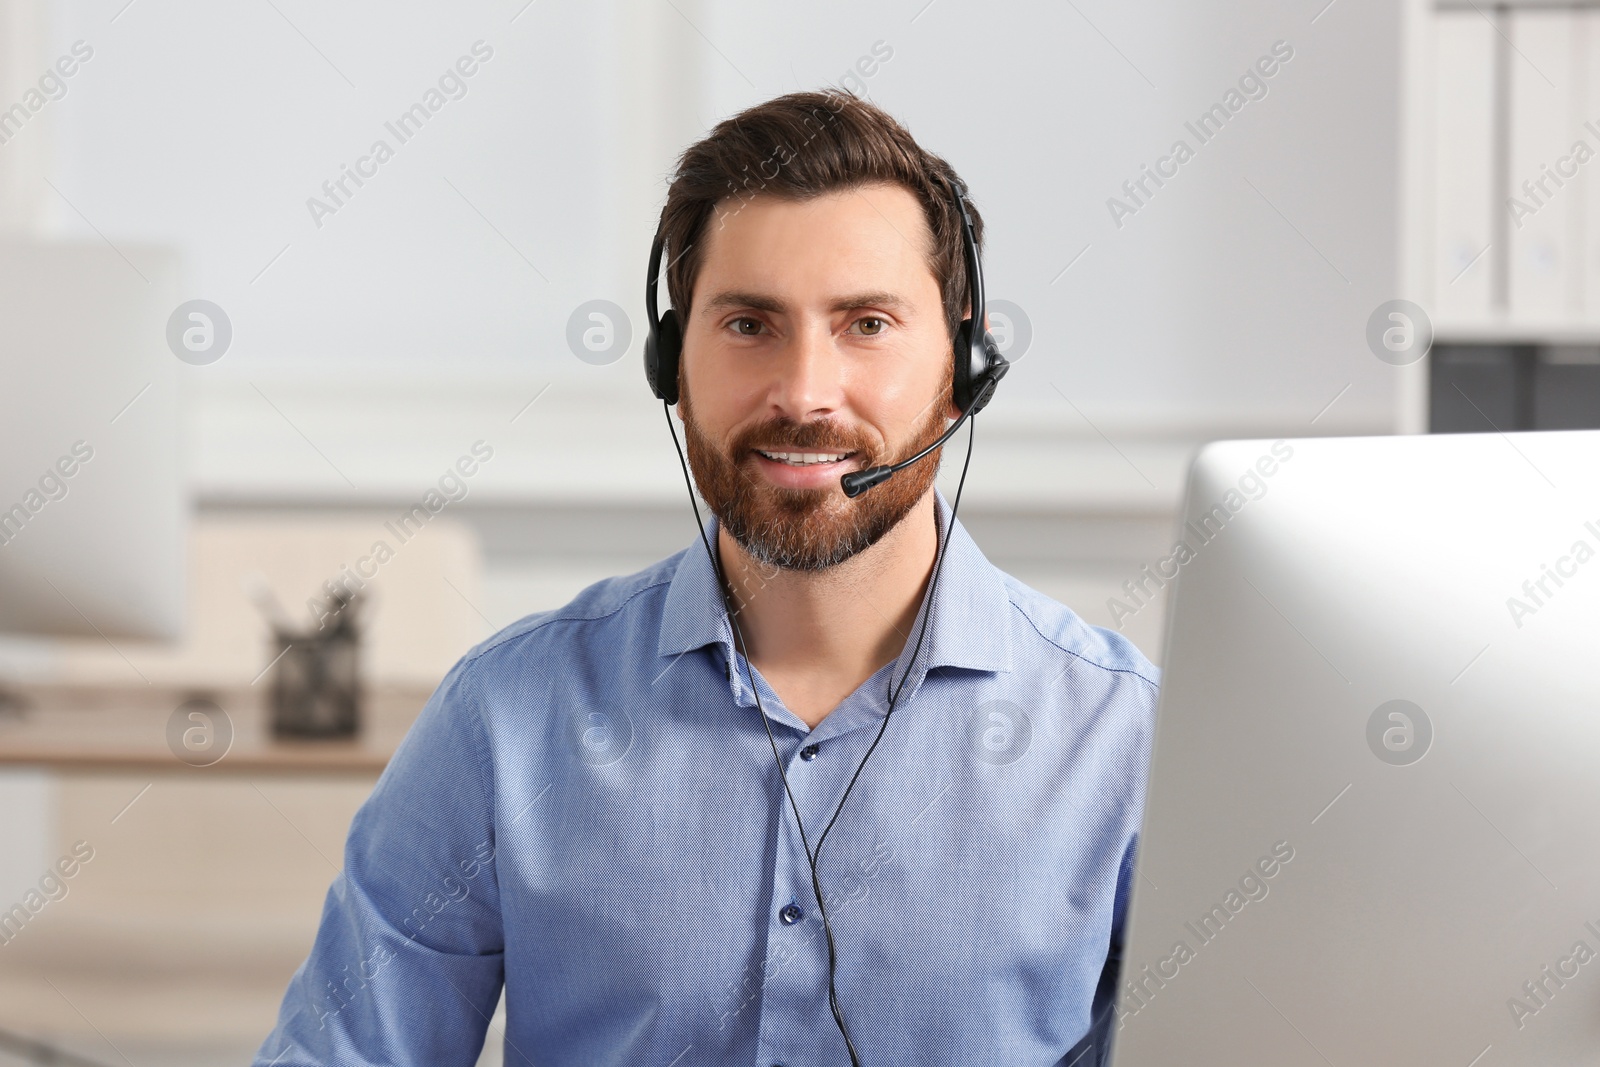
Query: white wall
(1217, 309)
(431, 308)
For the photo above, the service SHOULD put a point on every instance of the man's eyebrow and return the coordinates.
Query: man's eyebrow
(735, 298)
(879, 298)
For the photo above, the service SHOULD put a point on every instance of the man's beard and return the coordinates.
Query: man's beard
(807, 529)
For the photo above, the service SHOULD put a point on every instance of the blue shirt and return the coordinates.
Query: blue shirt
(587, 810)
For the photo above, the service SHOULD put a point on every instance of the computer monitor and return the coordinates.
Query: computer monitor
(93, 502)
(1372, 830)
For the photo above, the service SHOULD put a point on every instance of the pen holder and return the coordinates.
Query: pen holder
(316, 688)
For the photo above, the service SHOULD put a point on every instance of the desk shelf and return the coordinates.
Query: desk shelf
(82, 728)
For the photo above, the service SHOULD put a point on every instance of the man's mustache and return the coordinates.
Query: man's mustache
(784, 436)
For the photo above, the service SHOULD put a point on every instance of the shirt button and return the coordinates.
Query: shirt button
(808, 753)
(790, 914)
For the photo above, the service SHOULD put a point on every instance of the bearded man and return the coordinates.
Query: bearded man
(648, 816)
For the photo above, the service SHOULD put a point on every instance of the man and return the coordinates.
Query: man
(589, 809)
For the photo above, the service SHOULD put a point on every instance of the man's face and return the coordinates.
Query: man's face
(815, 345)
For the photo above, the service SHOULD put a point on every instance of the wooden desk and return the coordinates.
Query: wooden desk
(84, 728)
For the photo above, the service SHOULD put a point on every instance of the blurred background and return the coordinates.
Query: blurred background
(282, 282)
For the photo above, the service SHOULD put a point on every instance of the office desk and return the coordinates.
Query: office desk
(206, 883)
(82, 728)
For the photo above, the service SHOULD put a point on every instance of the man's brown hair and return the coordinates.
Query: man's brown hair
(802, 145)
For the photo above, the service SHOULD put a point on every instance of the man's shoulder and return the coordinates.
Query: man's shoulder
(1095, 647)
(606, 599)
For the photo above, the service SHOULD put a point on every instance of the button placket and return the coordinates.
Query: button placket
(794, 970)
(794, 928)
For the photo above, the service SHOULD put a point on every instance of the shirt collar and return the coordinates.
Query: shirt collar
(971, 607)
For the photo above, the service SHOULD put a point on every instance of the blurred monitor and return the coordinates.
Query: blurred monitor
(1370, 833)
(93, 504)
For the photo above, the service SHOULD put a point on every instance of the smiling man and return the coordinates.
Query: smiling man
(649, 814)
(804, 376)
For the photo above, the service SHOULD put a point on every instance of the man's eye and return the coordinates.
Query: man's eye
(871, 325)
(740, 323)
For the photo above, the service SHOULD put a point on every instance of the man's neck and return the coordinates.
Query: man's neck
(816, 636)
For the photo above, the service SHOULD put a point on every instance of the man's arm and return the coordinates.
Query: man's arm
(408, 960)
(1094, 1050)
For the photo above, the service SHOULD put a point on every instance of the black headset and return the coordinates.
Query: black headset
(979, 366)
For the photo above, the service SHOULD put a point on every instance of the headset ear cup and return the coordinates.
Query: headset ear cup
(961, 382)
(994, 368)
(652, 364)
(667, 348)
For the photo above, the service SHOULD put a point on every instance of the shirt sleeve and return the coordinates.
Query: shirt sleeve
(1094, 1050)
(408, 960)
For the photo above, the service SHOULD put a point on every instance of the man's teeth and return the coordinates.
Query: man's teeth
(804, 459)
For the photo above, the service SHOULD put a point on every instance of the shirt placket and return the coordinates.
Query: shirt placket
(795, 1020)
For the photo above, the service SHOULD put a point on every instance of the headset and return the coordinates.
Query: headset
(979, 366)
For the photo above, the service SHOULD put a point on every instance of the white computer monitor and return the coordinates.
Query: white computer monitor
(1371, 831)
(93, 502)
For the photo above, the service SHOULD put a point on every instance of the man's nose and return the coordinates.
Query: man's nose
(809, 375)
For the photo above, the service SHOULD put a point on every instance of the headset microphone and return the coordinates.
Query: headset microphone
(857, 482)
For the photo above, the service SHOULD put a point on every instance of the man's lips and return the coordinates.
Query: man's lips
(804, 459)
(808, 469)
